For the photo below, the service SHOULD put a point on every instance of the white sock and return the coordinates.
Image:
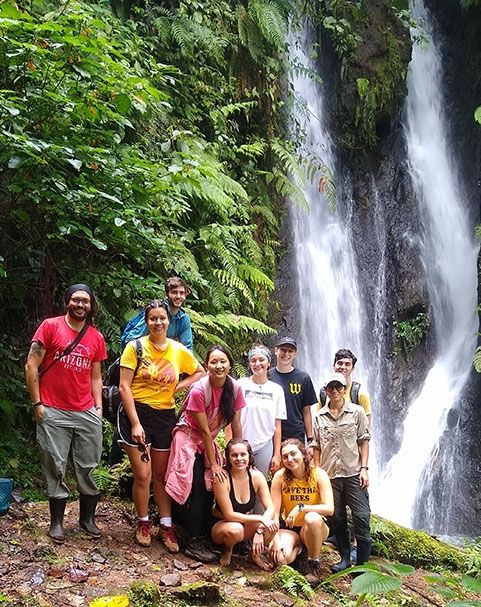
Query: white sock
(144, 519)
(166, 521)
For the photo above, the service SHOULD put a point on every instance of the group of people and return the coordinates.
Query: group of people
(316, 452)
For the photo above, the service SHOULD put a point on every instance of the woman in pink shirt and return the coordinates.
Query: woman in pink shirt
(195, 459)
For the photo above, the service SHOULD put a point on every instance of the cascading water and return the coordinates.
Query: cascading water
(450, 259)
(330, 315)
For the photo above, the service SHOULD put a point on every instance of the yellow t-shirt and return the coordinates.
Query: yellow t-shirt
(158, 373)
(299, 490)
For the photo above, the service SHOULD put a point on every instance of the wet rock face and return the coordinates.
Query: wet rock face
(377, 188)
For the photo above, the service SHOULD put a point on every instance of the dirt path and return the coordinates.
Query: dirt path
(35, 572)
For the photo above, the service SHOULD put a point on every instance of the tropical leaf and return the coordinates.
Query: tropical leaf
(477, 114)
(373, 582)
(399, 568)
(477, 359)
(471, 584)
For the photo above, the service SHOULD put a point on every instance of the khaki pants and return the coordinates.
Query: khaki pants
(62, 432)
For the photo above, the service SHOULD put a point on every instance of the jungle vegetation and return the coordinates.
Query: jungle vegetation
(142, 139)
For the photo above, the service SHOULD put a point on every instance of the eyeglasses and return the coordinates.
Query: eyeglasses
(336, 387)
(82, 300)
(145, 456)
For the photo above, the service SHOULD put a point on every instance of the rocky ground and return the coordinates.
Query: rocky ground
(35, 572)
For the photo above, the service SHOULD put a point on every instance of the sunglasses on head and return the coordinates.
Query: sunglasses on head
(337, 387)
(145, 456)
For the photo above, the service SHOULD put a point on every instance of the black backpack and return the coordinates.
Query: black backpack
(355, 387)
(110, 391)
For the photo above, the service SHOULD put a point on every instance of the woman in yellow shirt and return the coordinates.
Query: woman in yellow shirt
(302, 497)
(147, 416)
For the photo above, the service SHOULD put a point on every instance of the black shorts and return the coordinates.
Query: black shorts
(282, 525)
(157, 424)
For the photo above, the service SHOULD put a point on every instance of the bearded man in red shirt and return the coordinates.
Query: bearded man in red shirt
(63, 374)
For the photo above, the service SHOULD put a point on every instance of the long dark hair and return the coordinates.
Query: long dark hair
(227, 398)
(232, 443)
(288, 476)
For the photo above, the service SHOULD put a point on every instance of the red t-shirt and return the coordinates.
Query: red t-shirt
(196, 403)
(68, 385)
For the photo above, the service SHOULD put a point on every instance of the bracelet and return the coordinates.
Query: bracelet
(37, 404)
(310, 438)
(259, 532)
(98, 408)
(365, 467)
(301, 507)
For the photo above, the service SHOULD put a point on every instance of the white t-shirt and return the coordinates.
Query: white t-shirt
(264, 404)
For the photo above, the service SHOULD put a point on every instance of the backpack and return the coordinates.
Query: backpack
(205, 383)
(110, 391)
(355, 387)
(134, 329)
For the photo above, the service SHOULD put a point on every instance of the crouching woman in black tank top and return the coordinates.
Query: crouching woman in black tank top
(235, 499)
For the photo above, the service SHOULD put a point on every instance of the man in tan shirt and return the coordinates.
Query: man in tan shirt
(341, 447)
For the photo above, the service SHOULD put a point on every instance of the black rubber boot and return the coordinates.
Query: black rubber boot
(363, 551)
(57, 511)
(88, 503)
(344, 547)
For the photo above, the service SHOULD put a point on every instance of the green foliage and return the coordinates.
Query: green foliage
(477, 114)
(372, 579)
(144, 594)
(409, 333)
(372, 44)
(415, 548)
(472, 559)
(136, 149)
(293, 582)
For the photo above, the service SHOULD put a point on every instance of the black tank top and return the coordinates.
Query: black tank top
(238, 506)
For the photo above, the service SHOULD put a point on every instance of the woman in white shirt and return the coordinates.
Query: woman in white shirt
(265, 408)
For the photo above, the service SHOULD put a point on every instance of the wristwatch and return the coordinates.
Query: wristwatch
(37, 404)
(301, 507)
(259, 532)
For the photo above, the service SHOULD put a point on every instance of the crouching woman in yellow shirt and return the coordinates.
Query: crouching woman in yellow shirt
(302, 497)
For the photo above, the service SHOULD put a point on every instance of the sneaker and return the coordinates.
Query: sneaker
(198, 549)
(314, 575)
(301, 562)
(167, 536)
(142, 533)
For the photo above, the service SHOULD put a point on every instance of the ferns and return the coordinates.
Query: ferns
(292, 581)
(262, 27)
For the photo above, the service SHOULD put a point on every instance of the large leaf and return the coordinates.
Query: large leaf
(471, 584)
(399, 568)
(373, 582)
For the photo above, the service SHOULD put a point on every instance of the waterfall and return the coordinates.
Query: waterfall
(330, 310)
(449, 255)
(329, 303)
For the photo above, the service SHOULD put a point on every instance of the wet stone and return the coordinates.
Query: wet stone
(171, 579)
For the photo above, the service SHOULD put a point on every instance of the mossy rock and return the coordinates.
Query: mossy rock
(416, 548)
(206, 593)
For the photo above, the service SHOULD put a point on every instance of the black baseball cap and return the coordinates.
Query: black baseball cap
(286, 341)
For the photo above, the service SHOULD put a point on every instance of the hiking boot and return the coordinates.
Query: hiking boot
(88, 503)
(314, 575)
(142, 533)
(345, 561)
(57, 509)
(301, 562)
(168, 538)
(198, 549)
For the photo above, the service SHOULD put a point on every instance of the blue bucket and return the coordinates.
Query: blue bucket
(6, 486)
